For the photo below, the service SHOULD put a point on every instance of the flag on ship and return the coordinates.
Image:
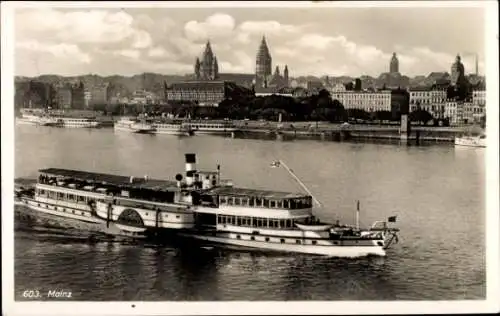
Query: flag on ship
(391, 219)
(275, 164)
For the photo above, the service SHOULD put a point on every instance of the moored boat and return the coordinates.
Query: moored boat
(38, 120)
(79, 122)
(471, 141)
(171, 127)
(134, 126)
(200, 127)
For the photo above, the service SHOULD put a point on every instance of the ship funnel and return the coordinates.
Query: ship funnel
(190, 168)
(190, 162)
(190, 177)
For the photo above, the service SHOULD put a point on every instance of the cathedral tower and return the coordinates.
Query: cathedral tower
(394, 64)
(208, 67)
(263, 62)
(457, 70)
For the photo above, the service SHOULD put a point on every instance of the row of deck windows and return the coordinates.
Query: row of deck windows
(260, 222)
(63, 196)
(208, 126)
(299, 203)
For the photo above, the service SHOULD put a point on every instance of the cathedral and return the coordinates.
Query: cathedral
(264, 78)
(208, 68)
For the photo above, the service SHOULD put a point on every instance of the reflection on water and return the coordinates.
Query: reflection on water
(437, 193)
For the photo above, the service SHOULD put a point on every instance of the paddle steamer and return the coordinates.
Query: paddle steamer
(471, 141)
(111, 204)
(201, 127)
(201, 207)
(38, 120)
(171, 127)
(133, 125)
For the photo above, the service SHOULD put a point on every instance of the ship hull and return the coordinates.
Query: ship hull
(174, 132)
(465, 142)
(46, 214)
(135, 130)
(260, 246)
(214, 131)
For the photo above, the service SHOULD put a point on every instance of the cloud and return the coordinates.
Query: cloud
(142, 39)
(129, 53)
(106, 41)
(63, 51)
(218, 25)
(267, 27)
(92, 26)
(161, 53)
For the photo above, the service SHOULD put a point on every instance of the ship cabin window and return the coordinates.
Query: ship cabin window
(258, 202)
(279, 204)
(314, 242)
(237, 201)
(251, 202)
(272, 204)
(266, 203)
(244, 201)
(285, 204)
(229, 201)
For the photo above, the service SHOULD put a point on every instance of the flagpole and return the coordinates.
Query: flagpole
(300, 182)
(357, 216)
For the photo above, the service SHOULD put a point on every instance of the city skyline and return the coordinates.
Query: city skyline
(312, 41)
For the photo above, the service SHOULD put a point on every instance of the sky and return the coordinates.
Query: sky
(311, 40)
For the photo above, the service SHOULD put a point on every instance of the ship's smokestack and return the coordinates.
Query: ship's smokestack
(190, 177)
(190, 162)
(190, 169)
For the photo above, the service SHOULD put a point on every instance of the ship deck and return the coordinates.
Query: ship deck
(257, 193)
(111, 179)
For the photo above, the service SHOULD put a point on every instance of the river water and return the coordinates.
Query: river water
(437, 193)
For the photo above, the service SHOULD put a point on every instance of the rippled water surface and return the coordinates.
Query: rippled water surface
(437, 192)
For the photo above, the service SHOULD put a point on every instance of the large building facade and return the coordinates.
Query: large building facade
(202, 93)
(99, 94)
(34, 94)
(430, 100)
(364, 100)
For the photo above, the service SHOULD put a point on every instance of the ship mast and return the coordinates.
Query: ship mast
(290, 171)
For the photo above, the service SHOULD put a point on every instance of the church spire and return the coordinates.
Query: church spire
(208, 48)
(285, 75)
(215, 69)
(263, 61)
(197, 66)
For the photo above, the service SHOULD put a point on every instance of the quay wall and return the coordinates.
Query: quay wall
(333, 131)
